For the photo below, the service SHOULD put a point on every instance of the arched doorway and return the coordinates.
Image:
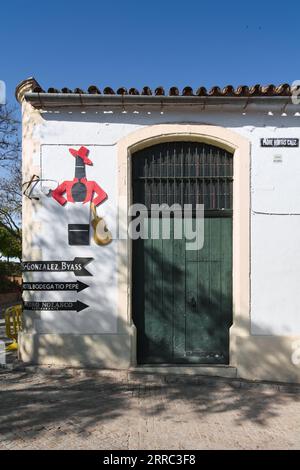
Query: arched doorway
(182, 300)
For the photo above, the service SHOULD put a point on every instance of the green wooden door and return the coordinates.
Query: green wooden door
(181, 299)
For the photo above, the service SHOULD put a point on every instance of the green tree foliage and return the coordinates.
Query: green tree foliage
(10, 179)
(10, 245)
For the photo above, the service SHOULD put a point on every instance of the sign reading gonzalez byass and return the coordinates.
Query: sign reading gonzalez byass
(77, 266)
(279, 142)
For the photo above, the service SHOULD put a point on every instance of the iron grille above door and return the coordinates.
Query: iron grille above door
(184, 173)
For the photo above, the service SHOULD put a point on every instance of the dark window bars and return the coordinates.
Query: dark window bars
(184, 173)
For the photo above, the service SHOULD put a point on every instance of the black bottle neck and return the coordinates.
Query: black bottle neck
(79, 168)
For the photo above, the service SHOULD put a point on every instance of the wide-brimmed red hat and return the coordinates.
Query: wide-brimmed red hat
(82, 153)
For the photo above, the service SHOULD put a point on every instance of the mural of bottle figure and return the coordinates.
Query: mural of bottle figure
(76, 191)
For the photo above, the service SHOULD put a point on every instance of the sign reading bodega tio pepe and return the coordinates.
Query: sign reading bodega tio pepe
(279, 142)
(55, 286)
(77, 266)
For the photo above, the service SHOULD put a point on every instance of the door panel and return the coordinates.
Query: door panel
(209, 282)
(158, 316)
(182, 299)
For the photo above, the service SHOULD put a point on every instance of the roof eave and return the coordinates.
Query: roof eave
(50, 100)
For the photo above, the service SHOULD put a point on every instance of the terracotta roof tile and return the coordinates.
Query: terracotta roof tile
(201, 91)
(215, 91)
(93, 90)
(122, 91)
(255, 90)
(242, 90)
(229, 90)
(55, 90)
(66, 90)
(283, 90)
(146, 91)
(187, 91)
(133, 91)
(108, 91)
(159, 91)
(174, 91)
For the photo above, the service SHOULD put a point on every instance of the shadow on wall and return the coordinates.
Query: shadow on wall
(261, 357)
(186, 320)
(71, 334)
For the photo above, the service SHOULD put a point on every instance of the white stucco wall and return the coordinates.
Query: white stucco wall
(275, 211)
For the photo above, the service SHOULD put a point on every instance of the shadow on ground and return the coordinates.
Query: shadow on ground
(85, 400)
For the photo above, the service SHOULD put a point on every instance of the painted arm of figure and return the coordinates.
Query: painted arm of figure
(57, 194)
(101, 195)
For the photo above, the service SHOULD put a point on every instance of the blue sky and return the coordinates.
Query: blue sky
(138, 43)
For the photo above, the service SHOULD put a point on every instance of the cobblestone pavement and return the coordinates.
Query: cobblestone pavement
(80, 409)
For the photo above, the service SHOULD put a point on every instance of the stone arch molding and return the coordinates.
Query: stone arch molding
(220, 137)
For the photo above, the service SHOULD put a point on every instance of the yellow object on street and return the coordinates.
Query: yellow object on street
(13, 324)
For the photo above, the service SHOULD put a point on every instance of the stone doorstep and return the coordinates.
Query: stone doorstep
(212, 371)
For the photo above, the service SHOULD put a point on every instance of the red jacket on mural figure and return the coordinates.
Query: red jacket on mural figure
(79, 189)
(92, 189)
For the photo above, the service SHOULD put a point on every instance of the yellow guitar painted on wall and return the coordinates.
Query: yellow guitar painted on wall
(102, 236)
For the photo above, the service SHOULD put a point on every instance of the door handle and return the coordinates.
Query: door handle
(193, 303)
